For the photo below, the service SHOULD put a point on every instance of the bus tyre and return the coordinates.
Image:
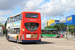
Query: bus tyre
(41, 36)
(34, 42)
(17, 40)
(8, 38)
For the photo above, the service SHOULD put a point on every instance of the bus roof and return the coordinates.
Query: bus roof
(23, 12)
(14, 15)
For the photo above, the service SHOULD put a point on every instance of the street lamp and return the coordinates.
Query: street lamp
(60, 23)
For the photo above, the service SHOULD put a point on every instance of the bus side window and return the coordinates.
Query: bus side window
(15, 18)
(20, 17)
(18, 31)
(11, 19)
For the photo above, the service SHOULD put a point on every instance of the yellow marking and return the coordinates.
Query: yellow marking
(16, 36)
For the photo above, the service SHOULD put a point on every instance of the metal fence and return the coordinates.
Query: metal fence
(68, 36)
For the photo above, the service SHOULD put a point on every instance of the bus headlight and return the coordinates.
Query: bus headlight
(39, 36)
(23, 36)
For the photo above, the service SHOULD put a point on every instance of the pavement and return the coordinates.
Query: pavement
(46, 44)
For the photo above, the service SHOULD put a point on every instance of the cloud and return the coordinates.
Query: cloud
(11, 4)
(5, 13)
(2, 13)
(32, 5)
(24, 4)
(48, 9)
(56, 7)
(56, 18)
(2, 20)
(44, 21)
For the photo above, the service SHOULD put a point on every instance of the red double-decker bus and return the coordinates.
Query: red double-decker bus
(24, 27)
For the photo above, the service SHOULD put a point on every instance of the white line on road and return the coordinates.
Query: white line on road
(20, 47)
(15, 48)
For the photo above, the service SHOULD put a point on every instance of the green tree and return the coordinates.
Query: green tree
(59, 27)
(4, 30)
(56, 26)
(48, 27)
(63, 27)
(71, 29)
(1, 24)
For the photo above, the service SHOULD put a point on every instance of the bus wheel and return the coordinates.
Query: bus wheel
(17, 40)
(8, 38)
(34, 42)
(41, 36)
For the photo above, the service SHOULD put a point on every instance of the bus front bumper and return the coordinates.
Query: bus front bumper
(31, 40)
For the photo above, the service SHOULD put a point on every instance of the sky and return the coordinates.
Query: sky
(49, 9)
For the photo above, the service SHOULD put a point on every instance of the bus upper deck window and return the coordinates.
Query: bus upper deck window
(30, 15)
(11, 19)
(20, 16)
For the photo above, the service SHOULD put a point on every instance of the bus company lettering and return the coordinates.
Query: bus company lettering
(32, 19)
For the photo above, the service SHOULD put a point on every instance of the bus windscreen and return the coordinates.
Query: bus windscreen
(31, 26)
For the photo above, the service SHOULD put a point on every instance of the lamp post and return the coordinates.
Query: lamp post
(60, 23)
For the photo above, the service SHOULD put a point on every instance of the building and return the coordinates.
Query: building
(58, 23)
(49, 22)
(64, 22)
(69, 20)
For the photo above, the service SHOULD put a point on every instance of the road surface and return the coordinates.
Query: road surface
(46, 44)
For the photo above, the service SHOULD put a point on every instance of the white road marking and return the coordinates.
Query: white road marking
(15, 48)
(20, 47)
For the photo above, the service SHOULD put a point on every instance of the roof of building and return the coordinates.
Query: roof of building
(64, 21)
(50, 29)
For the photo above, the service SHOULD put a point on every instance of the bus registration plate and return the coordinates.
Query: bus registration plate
(28, 35)
(31, 35)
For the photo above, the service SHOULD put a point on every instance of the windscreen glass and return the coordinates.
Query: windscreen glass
(31, 26)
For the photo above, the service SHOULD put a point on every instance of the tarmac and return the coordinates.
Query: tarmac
(45, 44)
